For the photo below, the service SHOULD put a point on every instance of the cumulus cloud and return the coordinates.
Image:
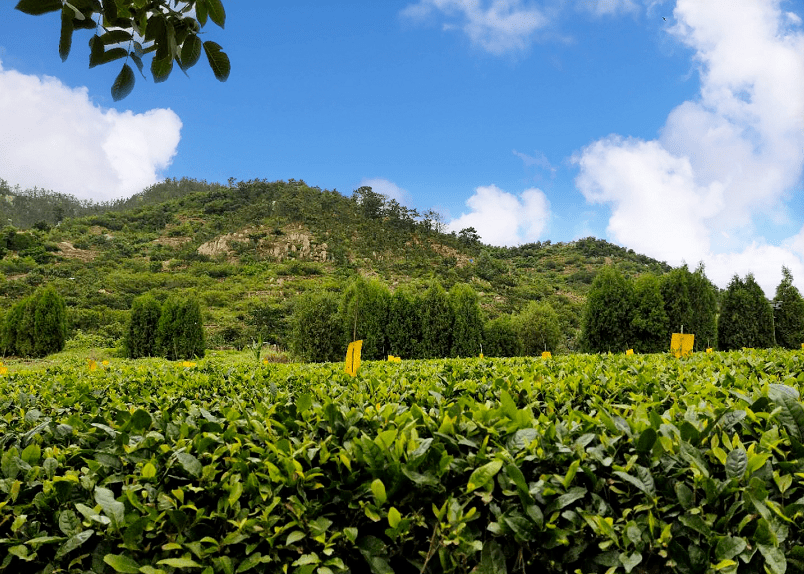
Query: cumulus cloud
(502, 218)
(499, 26)
(55, 137)
(609, 7)
(732, 154)
(388, 188)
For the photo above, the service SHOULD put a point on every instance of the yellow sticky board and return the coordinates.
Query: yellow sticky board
(392, 359)
(546, 355)
(629, 352)
(802, 346)
(709, 349)
(681, 345)
(353, 357)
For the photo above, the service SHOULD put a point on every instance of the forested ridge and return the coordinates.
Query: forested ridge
(247, 249)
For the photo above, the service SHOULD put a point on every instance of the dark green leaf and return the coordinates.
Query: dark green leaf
(216, 12)
(728, 547)
(111, 507)
(201, 12)
(630, 561)
(775, 562)
(190, 464)
(218, 60)
(492, 559)
(646, 441)
(37, 7)
(736, 463)
(161, 68)
(123, 84)
(110, 10)
(190, 51)
(122, 563)
(74, 542)
(69, 523)
(115, 37)
(791, 414)
(141, 419)
(66, 37)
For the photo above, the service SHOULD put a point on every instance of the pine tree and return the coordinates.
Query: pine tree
(437, 320)
(467, 326)
(501, 337)
(50, 322)
(746, 317)
(404, 324)
(142, 327)
(789, 315)
(538, 328)
(316, 328)
(649, 321)
(606, 323)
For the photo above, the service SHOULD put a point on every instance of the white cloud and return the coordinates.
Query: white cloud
(764, 261)
(502, 218)
(389, 189)
(731, 155)
(55, 137)
(609, 7)
(498, 26)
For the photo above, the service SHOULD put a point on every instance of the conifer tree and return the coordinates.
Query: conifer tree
(11, 324)
(649, 322)
(690, 302)
(606, 323)
(467, 325)
(539, 329)
(50, 322)
(142, 327)
(316, 333)
(437, 321)
(404, 324)
(165, 340)
(501, 337)
(25, 342)
(789, 313)
(364, 314)
(188, 330)
(746, 316)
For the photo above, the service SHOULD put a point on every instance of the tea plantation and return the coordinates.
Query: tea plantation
(574, 464)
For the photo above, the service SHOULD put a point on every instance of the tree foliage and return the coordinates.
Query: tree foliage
(538, 328)
(690, 302)
(364, 315)
(180, 329)
(129, 30)
(404, 324)
(606, 324)
(746, 316)
(649, 324)
(36, 325)
(316, 328)
(437, 321)
(467, 326)
(789, 313)
(142, 327)
(501, 337)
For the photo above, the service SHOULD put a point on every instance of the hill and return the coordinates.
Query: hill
(246, 249)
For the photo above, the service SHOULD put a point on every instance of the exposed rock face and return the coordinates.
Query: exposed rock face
(292, 240)
(67, 250)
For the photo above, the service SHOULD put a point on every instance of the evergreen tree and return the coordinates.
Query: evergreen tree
(649, 321)
(501, 337)
(746, 317)
(404, 324)
(165, 341)
(437, 320)
(674, 287)
(789, 314)
(467, 326)
(703, 300)
(142, 327)
(606, 324)
(188, 330)
(25, 342)
(364, 315)
(11, 324)
(316, 328)
(539, 329)
(50, 322)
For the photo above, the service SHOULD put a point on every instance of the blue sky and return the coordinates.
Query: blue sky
(529, 120)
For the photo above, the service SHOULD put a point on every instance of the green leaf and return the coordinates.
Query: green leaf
(646, 441)
(201, 12)
(791, 414)
(728, 547)
(190, 464)
(141, 419)
(492, 559)
(74, 542)
(294, 536)
(69, 523)
(216, 12)
(161, 68)
(122, 563)
(378, 490)
(736, 463)
(190, 53)
(109, 11)
(482, 475)
(394, 517)
(180, 563)
(111, 507)
(630, 561)
(31, 454)
(574, 493)
(66, 37)
(123, 85)
(218, 61)
(775, 562)
(38, 7)
(148, 471)
(249, 563)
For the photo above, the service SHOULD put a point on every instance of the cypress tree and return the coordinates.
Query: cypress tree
(142, 327)
(746, 317)
(674, 287)
(25, 342)
(467, 326)
(606, 323)
(165, 341)
(789, 314)
(649, 321)
(703, 300)
(316, 333)
(437, 320)
(501, 337)
(539, 329)
(11, 324)
(404, 324)
(50, 322)
(188, 330)
(365, 305)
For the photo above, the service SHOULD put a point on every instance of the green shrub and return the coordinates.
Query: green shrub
(501, 337)
(50, 322)
(437, 320)
(538, 328)
(467, 324)
(316, 328)
(180, 330)
(364, 315)
(142, 327)
(404, 324)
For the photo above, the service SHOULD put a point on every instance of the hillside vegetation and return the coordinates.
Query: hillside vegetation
(247, 249)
